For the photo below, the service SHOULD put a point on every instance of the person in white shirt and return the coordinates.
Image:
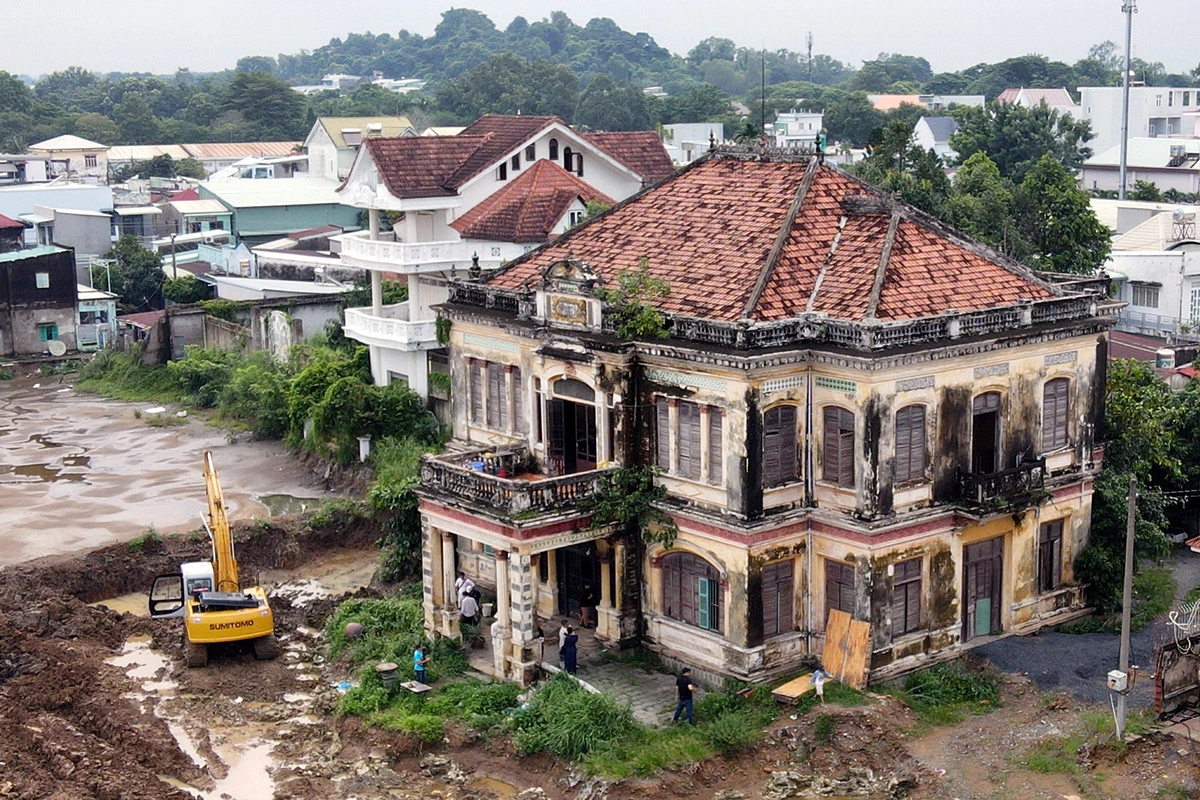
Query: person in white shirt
(562, 638)
(464, 585)
(469, 608)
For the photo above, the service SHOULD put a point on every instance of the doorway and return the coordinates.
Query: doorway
(985, 434)
(983, 573)
(576, 565)
(571, 440)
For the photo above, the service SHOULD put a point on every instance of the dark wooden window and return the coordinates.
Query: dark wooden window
(985, 434)
(837, 462)
(497, 400)
(906, 597)
(579, 164)
(1055, 413)
(839, 587)
(554, 149)
(662, 427)
(1050, 556)
(910, 444)
(780, 458)
(519, 420)
(568, 159)
(530, 152)
(689, 441)
(716, 449)
(778, 592)
(691, 591)
(475, 368)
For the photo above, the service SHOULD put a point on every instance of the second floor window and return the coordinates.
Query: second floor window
(689, 441)
(1145, 295)
(781, 462)
(497, 397)
(910, 444)
(692, 420)
(530, 152)
(837, 462)
(554, 149)
(1055, 413)
(492, 398)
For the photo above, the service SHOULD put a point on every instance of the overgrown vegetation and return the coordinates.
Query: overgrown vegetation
(629, 497)
(631, 303)
(944, 694)
(1061, 754)
(392, 630)
(147, 540)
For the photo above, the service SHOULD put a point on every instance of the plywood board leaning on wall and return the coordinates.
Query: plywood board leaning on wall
(847, 649)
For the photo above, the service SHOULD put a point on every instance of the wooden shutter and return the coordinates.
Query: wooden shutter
(910, 444)
(777, 591)
(715, 446)
(703, 600)
(519, 402)
(1055, 413)
(838, 447)
(671, 575)
(906, 597)
(839, 587)
(663, 434)
(689, 441)
(476, 371)
(1050, 556)
(779, 446)
(495, 396)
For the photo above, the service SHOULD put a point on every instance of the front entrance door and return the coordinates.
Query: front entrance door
(983, 573)
(572, 436)
(576, 564)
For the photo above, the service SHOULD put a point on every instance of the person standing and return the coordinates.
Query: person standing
(469, 607)
(562, 638)
(464, 585)
(587, 606)
(819, 677)
(569, 652)
(683, 692)
(420, 661)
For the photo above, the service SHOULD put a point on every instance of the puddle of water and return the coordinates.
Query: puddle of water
(501, 788)
(138, 660)
(135, 603)
(278, 504)
(43, 473)
(334, 573)
(249, 775)
(178, 784)
(187, 745)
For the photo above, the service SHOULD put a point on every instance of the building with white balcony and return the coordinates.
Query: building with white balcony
(465, 205)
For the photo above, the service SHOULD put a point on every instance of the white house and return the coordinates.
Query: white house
(97, 323)
(333, 142)
(1154, 111)
(436, 181)
(933, 133)
(1156, 269)
(797, 128)
(687, 141)
(74, 157)
(1058, 99)
(1167, 163)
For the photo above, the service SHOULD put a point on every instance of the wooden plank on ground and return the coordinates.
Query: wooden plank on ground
(793, 690)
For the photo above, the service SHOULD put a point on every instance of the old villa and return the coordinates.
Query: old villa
(856, 408)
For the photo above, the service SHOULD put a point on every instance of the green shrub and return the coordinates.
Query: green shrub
(227, 310)
(393, 629)
(566, 720)
(425, 727)
(732, 731)
(940, 694)
(257, 393)
(340, 512)
(203, 374)
(123, 376)
(7, 375)
(481, 705)
(397, 463)
(150, 538)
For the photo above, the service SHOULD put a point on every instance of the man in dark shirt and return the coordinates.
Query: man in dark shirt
(684, 688)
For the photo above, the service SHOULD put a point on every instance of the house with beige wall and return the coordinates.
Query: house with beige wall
(853, 407)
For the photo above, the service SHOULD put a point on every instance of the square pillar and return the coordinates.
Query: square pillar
(607, 622)
(431, 576)
(450, 613)
(526, 644)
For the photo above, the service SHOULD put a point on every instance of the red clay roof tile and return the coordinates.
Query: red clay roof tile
(641, 151)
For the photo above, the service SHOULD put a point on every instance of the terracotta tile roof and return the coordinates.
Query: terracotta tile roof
(527, 209)
(144, 319)
(6, 222)
(711, 230)
(641, 151)
(422, 166)
(186, 194)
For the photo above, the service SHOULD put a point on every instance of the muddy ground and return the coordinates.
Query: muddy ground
(96, 703)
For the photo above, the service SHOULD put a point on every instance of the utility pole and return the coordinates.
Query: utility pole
(809, 40)
(1128, 8)
(1126, 606)
(762, 111)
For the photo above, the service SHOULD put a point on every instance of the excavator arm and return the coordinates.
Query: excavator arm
(225, 568)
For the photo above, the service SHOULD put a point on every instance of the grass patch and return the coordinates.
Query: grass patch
(165, 420)
(565, 720)
(1153, 595)
(1055, 754)
(1192, 595)
(823, 729)
(150, 538)
(123, 376)
(1174, 791)
(7, 375)
(946, 693)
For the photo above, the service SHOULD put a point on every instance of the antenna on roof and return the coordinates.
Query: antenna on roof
(809, 39)
(762, 111)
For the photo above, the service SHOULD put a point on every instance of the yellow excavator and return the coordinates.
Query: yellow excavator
(207, 594)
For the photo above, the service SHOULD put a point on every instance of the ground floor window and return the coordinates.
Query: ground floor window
(47, 332)
(692, 591)
(1050, 556)
(778, 591)
(906, 597)
(839, 587)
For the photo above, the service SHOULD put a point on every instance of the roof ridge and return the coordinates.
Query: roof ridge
(833, 246)
(785, 232)
(885, 255)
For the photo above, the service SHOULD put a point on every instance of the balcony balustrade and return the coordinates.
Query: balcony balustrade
(393, 329)
(1017, 484)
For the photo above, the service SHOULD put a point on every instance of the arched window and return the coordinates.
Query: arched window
(692, 591)
(985, 434)
(568, 159)
(837, 461)
(781, 463)
(554, 149)
(910, 444)
(1055, 413)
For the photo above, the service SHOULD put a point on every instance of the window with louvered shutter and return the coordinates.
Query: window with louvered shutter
(780, 461)
(1055, 413)
(777, 598)
(689, 441)
(910, 444)
(837, 463)
(716, 448)
(1050, 556)
(906, 597)
(692, 591)
(497, 408)
(663, 434)
(476, 371)
(519, 402)
(839, 587)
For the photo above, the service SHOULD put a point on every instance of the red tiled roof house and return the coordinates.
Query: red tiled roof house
(853, 409)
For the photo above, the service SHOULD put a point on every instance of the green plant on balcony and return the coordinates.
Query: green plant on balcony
(629, 497)
(440, 382)
(443, 334)
(630, 303)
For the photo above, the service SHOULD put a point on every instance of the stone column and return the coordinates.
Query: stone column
(431, 577)
(607, 626)
(526, 646)
(551, 557)
(449, 593)
(501, 642)
(373, 224)
(603, 445)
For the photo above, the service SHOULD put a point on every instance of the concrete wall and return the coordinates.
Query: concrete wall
(24, 306)
(1102, 107)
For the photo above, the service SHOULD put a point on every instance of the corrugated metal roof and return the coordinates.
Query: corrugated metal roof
(240, 149)
(257, 193)
(32, 252)
(1147, 152)
(199, 207)
(391, 126)
(68, 142)
(145, 152)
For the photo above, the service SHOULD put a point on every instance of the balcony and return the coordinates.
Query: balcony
(412, 258)
(392, 330)
(507, 483)
(1014, 486)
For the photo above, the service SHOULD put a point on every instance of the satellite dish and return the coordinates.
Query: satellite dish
(1178, 215)
(56, 347)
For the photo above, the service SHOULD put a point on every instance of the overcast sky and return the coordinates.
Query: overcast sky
(209, 35)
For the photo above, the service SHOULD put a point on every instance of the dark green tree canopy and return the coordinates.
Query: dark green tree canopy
(1016, 138)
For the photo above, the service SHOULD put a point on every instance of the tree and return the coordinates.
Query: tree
(631, 303)
(1016, 137)
(137, 276)
(190, 168)
(898, 165)
(851, 118)
(702, 103)
(97, 127)
(1059, 222)
(137, 122)
(1146, 191)
(880, 74)
(607, 106)
(269, 104)
(256, 64)
(508, 84)
(14, 94)
(185, 289)
(981, 206)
